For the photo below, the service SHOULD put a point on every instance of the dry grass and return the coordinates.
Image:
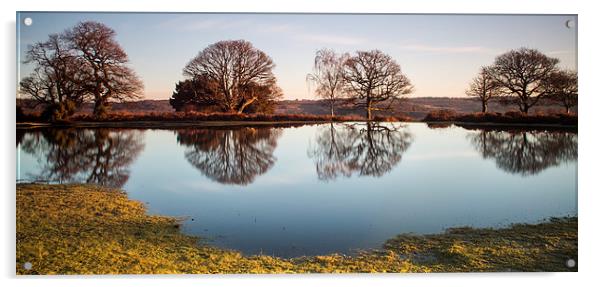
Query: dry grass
(522, 247)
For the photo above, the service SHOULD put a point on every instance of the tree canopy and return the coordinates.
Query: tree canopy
(521, 75)
(328, 76)
(372, 77)
(239, 74)
(483, 88)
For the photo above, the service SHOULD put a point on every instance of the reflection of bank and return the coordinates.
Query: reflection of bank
(98, 156)
(230, 155)
(525, 152)
(366, 149)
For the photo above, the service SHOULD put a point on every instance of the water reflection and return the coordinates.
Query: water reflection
(19, 134)
(369, 149)
(230, 156)
(99, 156)
(525, 152)
(435, 126)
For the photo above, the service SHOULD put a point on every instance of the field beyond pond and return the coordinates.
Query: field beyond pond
(87, 229)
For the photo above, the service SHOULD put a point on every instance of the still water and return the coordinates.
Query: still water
(318, 189)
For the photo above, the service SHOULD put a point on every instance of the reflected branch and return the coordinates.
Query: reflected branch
(230, 156)
(97, 156)
(525, 152)
(368, 149)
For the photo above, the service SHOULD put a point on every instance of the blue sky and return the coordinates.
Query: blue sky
(439, 53)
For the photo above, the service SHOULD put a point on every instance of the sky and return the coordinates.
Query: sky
(439, 53)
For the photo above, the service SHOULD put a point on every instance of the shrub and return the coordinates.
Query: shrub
(440, 115)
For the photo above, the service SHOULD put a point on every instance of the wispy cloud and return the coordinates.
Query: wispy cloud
(560, 52)
(191, 24)
(331, 39)
(445, 49)
(301, 34)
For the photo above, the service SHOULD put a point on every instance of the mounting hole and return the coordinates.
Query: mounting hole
(27, 265)
(571, 263)
(569, 24)
(27, 21)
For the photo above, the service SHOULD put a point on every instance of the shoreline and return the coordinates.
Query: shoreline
(180, 124)
(89, 229)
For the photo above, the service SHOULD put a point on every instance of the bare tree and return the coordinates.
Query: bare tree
(328, 76)
(562, 88)
(372, 77)
(55, 81)
(521, 74)
(483, 88)
(108, 76)
(238, 69)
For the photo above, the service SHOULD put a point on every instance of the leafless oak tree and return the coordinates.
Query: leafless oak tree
(521, 74)
(372, 77)
(55, 81)
(239, 70)
(562, 88)
(483, 88)
(328, 76)
(108, 76)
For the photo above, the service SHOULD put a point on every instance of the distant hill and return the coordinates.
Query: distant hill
(416, 108)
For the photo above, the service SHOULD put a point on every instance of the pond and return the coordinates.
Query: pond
(318, 189)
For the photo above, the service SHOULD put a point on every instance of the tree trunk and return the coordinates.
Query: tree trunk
(568, 110)
(246, 104)
(369, 109)
(525, 108)
(332, 109)
(99, 108)
(484, 107)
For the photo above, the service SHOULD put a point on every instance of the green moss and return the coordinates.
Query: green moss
(85, 229)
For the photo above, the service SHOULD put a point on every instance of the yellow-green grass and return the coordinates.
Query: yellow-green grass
(86, 229)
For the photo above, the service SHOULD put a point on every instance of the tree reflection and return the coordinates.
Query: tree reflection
(19, 134)
(98, 156)
(370, 149)
(231, 156)
(526, 152)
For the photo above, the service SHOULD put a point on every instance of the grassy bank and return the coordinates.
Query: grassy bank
(84, 229)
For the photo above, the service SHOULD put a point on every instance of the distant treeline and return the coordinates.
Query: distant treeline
(85, 64)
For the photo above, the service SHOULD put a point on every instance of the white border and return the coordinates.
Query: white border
(589, 156)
